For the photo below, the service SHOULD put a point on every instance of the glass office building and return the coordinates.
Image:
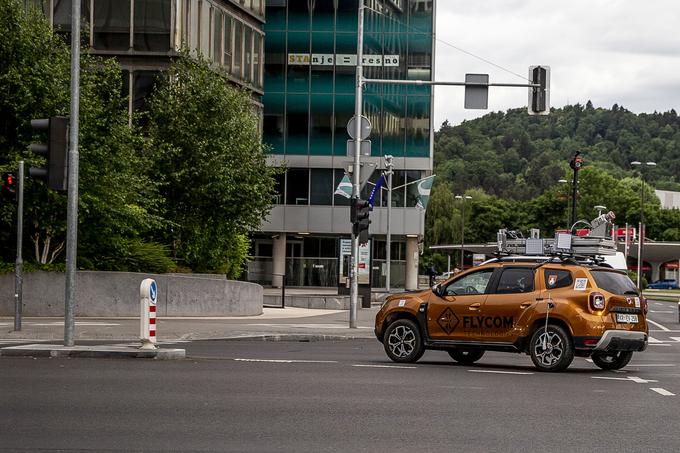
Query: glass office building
(309, 96)
(144, 34)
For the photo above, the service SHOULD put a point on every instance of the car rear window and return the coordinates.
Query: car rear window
(614, 282)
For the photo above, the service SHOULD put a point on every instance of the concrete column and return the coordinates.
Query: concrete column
(411, 264)
(656, 271)
(279, 260)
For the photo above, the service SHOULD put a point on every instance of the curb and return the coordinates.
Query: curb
(290, 337)
(55, 351)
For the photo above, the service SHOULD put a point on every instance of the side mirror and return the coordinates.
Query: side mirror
(436, 289)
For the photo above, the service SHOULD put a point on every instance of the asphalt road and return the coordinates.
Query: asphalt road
(341, 396)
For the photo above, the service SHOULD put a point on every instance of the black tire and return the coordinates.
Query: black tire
(558, 351)
(466, 356)
(612, 360)
(403, 342)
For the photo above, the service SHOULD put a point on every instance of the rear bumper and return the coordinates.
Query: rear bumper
(622, 340)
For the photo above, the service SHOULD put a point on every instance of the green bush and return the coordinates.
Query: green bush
(129, 255)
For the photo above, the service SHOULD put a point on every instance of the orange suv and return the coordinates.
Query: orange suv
(551, 310)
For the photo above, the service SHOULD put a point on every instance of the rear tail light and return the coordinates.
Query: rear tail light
(597, 301)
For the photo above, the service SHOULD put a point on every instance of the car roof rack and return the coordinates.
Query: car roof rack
(590, 248)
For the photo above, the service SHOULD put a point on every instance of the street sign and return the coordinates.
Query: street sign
(365, 127)
(476, 96)
(365, 148)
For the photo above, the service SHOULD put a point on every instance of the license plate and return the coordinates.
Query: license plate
(624, 318)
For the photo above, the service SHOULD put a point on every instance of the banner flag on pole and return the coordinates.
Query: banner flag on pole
(424, 188)
(376, 189)
(345, 187)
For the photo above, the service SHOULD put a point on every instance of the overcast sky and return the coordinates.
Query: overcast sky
(609, 51)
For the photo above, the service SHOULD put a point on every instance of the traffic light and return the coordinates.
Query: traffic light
(55, 150)
(539, 97)
(577, 162)
(359, 212)
(9, 186)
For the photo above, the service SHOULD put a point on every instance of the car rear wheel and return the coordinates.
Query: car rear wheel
(466, 356)
(403, 342)
(551, 349)
(612, 360)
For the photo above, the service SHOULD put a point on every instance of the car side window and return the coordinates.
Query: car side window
(516, 280)
(557, 278)
(475, 283)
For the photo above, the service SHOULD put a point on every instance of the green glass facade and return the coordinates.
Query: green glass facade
(310, 58)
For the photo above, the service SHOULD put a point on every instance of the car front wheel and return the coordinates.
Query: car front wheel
(403, 342)
(551, 349)
(612, 360)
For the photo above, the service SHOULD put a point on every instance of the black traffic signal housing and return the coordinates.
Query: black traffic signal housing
(9, 186)
(539, 97)
(55, 150)
(576, 163)
(359, 213)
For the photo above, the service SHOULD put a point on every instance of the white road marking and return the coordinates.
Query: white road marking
(499, 372)
(660, 311)
(658, 344)
(652, 364)
(635, 379)
(285, 361)
(310, 326)
(661, 391)
(669, 330)
(654, 340)
(675, 338)
(658, 325)
(386, 366)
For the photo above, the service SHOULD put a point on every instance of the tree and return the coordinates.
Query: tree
(210, 163)
(115, 190)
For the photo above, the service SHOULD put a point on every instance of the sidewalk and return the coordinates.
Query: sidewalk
(274, 324)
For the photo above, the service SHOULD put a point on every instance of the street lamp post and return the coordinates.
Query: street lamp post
(641, 229)
(566, 196)
(462, 230)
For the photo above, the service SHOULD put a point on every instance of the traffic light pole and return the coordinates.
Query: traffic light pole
(356, 184)
(73, 160)
(19, 265)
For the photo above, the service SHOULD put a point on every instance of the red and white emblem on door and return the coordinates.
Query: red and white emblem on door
(552, 279)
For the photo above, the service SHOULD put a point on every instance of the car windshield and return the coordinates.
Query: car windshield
(614, 282)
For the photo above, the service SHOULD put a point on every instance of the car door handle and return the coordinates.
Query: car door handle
(525, 305)
(474, 306)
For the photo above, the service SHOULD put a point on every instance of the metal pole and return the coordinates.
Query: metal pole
(19, 265)
(462, 239)
(388, 245)
(639, 254)
(641, 240)
(354, 276)
(574, 193)
(73, 158)
(625, 245)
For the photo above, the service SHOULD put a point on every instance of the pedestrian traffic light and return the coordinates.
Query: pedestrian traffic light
(9, 186)
(55, 150)
(361, 221)
(539, 97)
(577, 162)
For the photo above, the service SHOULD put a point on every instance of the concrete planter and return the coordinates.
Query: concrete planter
(112, 294)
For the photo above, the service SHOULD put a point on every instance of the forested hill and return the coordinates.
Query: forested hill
(508, 165)
(517, 156)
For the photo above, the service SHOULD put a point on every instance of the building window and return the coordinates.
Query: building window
(257, 60)
(297, 190)
(237, 70)
(248, 54)
(322, 189)
(111, 27)
(152, 25)
(228, 41)
(206, 11)
(217, 36)
(143, 83)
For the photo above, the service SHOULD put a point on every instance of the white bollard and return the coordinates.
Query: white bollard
(148, 295)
